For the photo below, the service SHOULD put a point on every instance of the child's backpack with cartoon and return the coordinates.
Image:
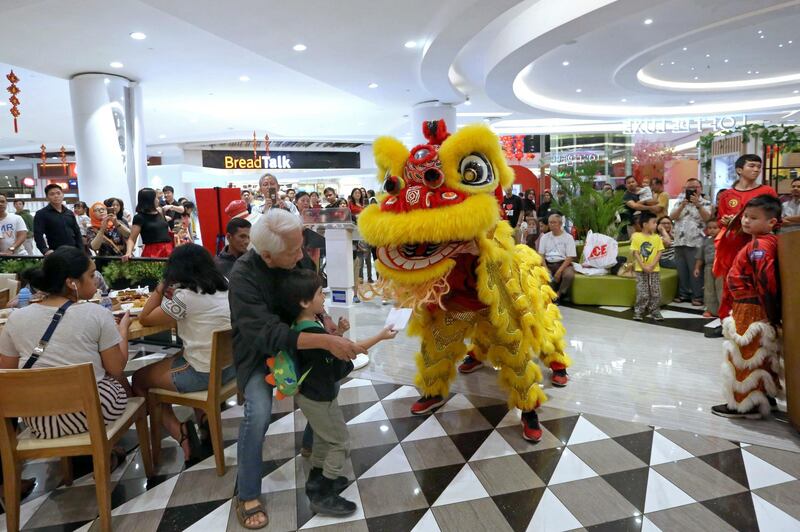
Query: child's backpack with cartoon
(283, 369)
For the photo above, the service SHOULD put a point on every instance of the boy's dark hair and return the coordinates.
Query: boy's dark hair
(769, 204)
(711, 221)
(50, 187)
(795, 180)
(747, 158)
(297, 286)
(646, 216)
(235, 224)
(168, 188)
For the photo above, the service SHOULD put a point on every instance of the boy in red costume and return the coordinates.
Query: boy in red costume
(751, 366)
(731, 204)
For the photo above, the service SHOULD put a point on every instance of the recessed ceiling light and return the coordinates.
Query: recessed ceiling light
(410, 44)
(672, 62)
(648, 21)
(796, 91)
(757, 72)
(780, 45)
(693, 68)
(138, 36)
(467, 102)
(299, 47)
(760, 32)
(708, 55)
(162, 136)
(696, 77)
(159, 153)
(578, 90)
(661, 64)
(790, 42)
(624, 100)
(691, 102)
(106, 81)
(749, 71)
(685, 48)
(564, 63)
(724, 60)
(761, 37)
(244, 78)
(373, 85)
(116, 64)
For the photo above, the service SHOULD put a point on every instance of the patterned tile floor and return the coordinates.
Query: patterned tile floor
(464, 468)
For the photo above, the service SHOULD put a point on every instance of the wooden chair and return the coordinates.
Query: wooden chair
(5, 297)
(52, 391)
(208, 401)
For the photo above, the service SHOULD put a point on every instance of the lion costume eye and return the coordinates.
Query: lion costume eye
(475, 170)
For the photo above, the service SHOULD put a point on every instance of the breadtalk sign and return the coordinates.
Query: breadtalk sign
(281, 162)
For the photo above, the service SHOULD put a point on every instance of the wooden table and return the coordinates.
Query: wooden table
(137, 330)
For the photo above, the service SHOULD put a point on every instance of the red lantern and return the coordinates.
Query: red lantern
(63, 153)
(255, 146)
(43, 155)
(13, 90)
(266, 144)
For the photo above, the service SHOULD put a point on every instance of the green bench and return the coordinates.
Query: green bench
(614, 291)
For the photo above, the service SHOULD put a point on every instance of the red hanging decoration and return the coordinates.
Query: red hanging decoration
(255, 146)
(514, 147)
(63, 153)
(13, 90)
(266, 144)
(43, 155)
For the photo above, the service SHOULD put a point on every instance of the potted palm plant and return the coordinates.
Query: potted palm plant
(587, 207)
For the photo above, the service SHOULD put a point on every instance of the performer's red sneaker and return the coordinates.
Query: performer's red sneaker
(531, 430)
(470, 364)
(559, 377)
(425, 404)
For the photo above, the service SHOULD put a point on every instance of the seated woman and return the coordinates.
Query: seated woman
(87, 333)
(107, 235)
(194, 297)
(665, 231)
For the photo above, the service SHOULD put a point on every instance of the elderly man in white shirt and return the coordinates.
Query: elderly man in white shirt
(791, 209)
(558, 250)
(269, 188)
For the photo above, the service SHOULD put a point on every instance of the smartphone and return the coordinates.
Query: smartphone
(273, 196)
(689, 194)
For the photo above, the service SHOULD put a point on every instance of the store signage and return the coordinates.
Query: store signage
(655, 126)
(284, 160)
(574, 157)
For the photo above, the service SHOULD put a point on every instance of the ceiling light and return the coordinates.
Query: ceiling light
(648, 21)
(780, 45)
(244, 78)
(162, 136)
(757, 72)
(749, 71)
(724, 60)
(795, 91)
(467, 102)
(708, 55)
(624, 100)
(685, 48)
(790, 42)
(299, 47)
(672, 62)
(373, 85)
(661, 64)
(692, 68)
(762, 37)
(106, 81)
(760, 32)
(410, 44)
(578, 90)
(564, 63)
(691, 102)
(116, 64)
(12, 159)
(138, 36)
(696, 77)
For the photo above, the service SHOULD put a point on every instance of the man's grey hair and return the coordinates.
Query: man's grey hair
(557, 215)
(270, 230)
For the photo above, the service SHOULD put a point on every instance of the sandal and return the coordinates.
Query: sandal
(188, 432)
(204, 431)
(243, 514)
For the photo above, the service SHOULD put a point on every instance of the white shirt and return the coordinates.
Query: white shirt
(85, 330)
(9, 227)
(198, 316)
(557, 248)
(791, 208)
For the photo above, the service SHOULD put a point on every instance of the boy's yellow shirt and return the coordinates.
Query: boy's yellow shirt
(648, 247)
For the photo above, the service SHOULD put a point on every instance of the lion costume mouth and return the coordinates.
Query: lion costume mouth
(410, 257)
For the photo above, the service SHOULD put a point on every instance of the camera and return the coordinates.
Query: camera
(689, 194)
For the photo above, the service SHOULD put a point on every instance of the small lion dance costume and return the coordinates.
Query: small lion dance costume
(443, 250)
(751, 369)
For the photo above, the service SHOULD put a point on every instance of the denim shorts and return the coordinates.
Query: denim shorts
(187, 379)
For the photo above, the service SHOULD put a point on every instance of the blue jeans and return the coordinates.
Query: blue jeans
(257, 415)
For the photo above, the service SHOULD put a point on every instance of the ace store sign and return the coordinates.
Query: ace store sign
(280, 160)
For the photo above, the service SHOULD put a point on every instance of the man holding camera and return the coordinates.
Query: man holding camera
(690, 216)
(268, 187)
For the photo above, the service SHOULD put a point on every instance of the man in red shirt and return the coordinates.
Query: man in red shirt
(731, 239)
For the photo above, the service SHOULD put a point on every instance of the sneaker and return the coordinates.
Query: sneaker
(724, 411)
(637, 317)
(657, 316)
(426, 404)
(326, 502)
(559, 378)
(316, 482)
(356, 300)
(470, 364)
(531, 430)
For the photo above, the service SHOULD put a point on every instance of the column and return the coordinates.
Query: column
(109, 142)
(788, 244)
(431, 110)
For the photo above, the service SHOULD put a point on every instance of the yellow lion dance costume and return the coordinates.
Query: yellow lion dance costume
(443, 250)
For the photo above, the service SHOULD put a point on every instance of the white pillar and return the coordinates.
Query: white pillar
(105, 125)
(431, 110)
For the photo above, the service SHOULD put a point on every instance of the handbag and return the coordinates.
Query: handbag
(39, 349)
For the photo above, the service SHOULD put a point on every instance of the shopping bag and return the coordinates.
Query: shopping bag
(600, 251)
